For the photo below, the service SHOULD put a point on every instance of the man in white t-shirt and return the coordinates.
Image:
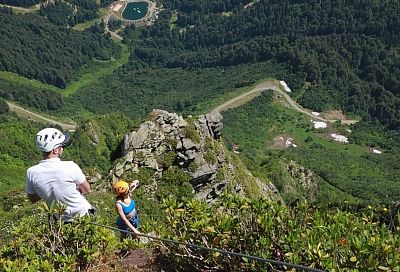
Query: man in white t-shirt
(57, 181)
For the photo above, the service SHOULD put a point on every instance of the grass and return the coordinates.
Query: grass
(94, 71)
(87, 24)
(172, 21)
(12, 77)
(10, 173)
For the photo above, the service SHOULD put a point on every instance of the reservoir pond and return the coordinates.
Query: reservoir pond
(135, 10)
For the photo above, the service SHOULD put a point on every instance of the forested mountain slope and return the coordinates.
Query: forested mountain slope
(35, 48)
(349, 51)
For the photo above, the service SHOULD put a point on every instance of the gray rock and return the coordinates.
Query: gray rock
(188, 144)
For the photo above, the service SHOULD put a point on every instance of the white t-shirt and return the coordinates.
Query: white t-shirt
(56, 180)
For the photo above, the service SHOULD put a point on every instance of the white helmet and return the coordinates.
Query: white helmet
(49, 138)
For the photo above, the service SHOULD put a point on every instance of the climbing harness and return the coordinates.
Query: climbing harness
(249, 257)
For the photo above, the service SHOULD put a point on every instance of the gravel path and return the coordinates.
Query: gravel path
(39, 118)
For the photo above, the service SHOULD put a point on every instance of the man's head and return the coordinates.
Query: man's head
(51, 140)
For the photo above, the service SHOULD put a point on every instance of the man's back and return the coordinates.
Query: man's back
(56, 180)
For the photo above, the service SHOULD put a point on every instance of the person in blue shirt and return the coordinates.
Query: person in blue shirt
(126, 207)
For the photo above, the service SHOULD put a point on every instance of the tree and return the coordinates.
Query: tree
(3, 106)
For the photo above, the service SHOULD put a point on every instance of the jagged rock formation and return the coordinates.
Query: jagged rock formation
(303, 178)
(192, 146)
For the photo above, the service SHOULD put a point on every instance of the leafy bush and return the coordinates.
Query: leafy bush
(166, 159)
(302, 235)
(190, 132)
(145, 175)
(54, 246)
(175, 182)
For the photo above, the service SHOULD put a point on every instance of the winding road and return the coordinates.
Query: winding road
(272, 85)
(39, 118)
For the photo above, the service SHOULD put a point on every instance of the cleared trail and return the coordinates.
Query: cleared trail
(20, 111)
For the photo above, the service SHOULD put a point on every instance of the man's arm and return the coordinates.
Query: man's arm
(84, 187)
(33, 197)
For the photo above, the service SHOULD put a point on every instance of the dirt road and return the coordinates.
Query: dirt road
(39, 118)
(246, 97)
(273, 85)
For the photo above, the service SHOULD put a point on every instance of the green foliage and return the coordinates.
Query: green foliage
(96, 143)
(145, 175)
(58, 13)
(13, 172)
(350, 172)
(193, 166)
(69, 12)
(43, 51)
(6, 10)
(349, 57)
(175, 182)
(39, 98)
(166, 159)
(3, 106)
(301, 235)
(55, 246)
(114, 24)
(210, 157)
(17, 139)
(191, 133)
(138, 92)
(21, 3)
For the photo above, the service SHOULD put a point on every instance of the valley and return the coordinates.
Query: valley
(274, 122)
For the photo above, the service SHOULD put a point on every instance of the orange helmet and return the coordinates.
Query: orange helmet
(121, 187)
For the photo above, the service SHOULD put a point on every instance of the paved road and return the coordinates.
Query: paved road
(39, 118)
(273, 85)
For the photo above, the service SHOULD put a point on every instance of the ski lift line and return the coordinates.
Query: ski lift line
(254, 258)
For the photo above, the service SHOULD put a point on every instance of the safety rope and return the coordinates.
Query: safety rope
(258, 259)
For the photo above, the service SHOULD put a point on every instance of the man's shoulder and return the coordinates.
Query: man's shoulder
(69, 164)
(33, 168)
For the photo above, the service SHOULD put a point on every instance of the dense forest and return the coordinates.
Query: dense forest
(37, 49)
(347, 51)
(40, 99)
(21, 3)
(70, 13)
(138, 92)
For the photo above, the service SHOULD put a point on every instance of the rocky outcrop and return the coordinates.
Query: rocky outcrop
(93, 132)
(191, 146)
(304, 178)
(211, 124)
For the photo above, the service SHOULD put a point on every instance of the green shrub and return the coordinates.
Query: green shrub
(175, 183)
(166, 160)
(55, 246)
(332, 240)
(145, 175)
(190, 132)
